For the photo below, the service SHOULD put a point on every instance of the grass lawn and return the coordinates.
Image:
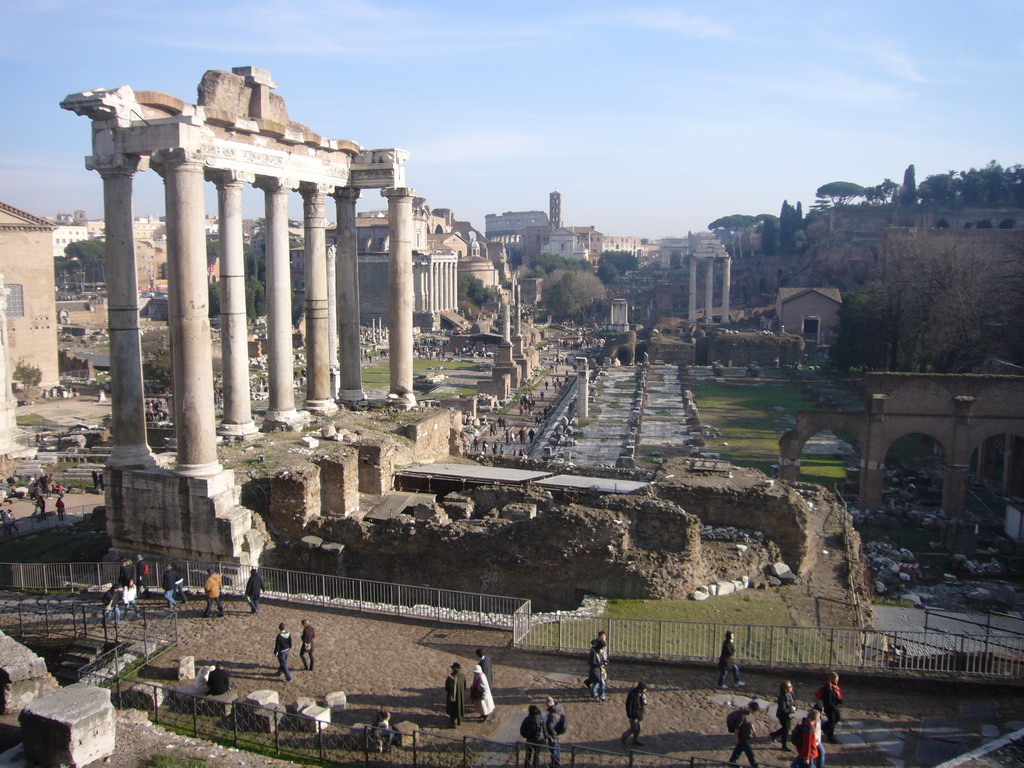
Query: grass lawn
(31, 420)
(747, 417)
(61, 546)
(380, 375)
(744, 607)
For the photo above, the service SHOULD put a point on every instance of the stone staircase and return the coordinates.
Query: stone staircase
(83, 652)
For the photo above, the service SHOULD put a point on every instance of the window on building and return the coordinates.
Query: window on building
(811, 326)
(15, 300)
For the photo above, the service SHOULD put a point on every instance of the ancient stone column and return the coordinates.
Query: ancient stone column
(435, 286)
(453, 303)
(506, 331)
(332, 316)
(188, 313)
(726, 279)
(8, 405)
(350, 387)
(583, 391)
(400, 228)
(709, 290)
(234, 336)
(693, 289)
(280, 367)
(127, 395)
(318, 357)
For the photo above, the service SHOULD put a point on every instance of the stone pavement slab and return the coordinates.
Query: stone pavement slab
(943, 729)
(931, 752)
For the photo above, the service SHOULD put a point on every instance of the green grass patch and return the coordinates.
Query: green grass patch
(31, 420)
(747, 416)
(57, 546)
(743, 607)
(175, 761)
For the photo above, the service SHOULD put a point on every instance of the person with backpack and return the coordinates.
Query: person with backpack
(534, 730)
(785, 708)
(636, 704)
(172, 582)
(832, 701)
(726, 663)
(805, 740)
(557, 724)
(738, 722)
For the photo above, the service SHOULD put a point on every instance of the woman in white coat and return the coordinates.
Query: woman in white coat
(480, 693)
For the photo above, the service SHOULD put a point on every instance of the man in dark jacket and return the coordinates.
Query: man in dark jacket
(282, 647)
(455, 695)
(219, 681)
(555, 723)
(833, 703)
(253, 590)
(308, 634)
(535, 731)
(636, 704)
(742, 725)
(171, 581)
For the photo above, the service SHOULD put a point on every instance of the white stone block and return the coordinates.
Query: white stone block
(263, 698)
(725, 588)
(187, 668)
(74, 726)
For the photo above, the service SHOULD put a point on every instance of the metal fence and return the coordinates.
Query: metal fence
(293, 586)
(274, 731)
(33, 523)
(994, 654)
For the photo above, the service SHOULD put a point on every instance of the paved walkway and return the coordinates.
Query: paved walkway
(401, 665)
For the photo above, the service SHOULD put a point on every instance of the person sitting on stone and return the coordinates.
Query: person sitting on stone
(219, 681)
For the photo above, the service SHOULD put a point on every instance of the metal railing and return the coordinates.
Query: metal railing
(294, 586)
(272, 730)
(995, 654)
(33, 523)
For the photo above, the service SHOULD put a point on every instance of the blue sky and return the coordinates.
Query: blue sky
(650, 118)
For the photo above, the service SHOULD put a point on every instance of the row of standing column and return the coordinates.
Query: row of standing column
(709, 283)
(437, 286)
(191, 348)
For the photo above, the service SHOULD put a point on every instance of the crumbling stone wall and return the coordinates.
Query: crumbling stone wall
(295, 500)
(430, 435)
(339, 485)
(754, 349)
(26, 671)
(746, 500)
(376, 466)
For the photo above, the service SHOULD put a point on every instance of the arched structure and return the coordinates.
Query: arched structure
(959, 411)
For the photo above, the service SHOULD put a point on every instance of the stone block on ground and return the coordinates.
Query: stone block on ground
(256, 718)
(337, 702)
(519, 511)
(70, 727)
(782, 572)
(404, 733)
(312, 718)
(187, 668)
(217, 706)
(262, 698)
(181, 698)
(300, 703)
(26, 670)
(725, 588)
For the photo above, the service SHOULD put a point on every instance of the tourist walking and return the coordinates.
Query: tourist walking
(125, 573)
(142, 574)
(212, 589)
(832, 701)
(636, 704)
(111, 607)
(306, 649)
(727, 663)
(740, 723)
(485, 664)
(60, 509)
(805, 740)
(480, 693)
(129, 595)
(556, 724)
(785, 708)
(253, 590)
(598, 664)
(534, 730)
(819, 761)
(172, 585)
(282, 647)
(455, 695)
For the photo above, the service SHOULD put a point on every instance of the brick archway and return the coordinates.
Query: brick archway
(959, 411)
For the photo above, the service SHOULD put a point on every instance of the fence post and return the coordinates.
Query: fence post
(320, 738)
(661, 639)
(366, 745)
(21, 621)
(46, 581)
(195, 717)
(288, 583)
(631, 758)
(98, 582)
(572, 755)
(323, 593)
(465, 752)
(771, 645)
(234, 724)
(415, 751)
(559, 634)
(832, 646)
(177, 638)
(277, 733)
(145, 635)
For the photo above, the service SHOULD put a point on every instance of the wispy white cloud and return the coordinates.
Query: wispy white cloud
(895, 61)
(661, 18)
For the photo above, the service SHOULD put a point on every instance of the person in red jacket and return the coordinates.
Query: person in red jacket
(807, 744)
(833, 702)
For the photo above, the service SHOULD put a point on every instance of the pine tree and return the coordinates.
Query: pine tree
(908, 192)
(786, 229)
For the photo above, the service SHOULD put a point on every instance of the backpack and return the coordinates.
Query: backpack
(562, 725)
(732, 722)
(797, 734)
(820, 693)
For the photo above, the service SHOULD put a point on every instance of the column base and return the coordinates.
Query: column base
(283, 421)
(406, 399)
(131, 457)
(199, 470)
(350, 396)
(320, 407)
(246, 429)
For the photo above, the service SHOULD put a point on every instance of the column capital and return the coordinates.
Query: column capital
(116, 165)
(222, 177)
(275, 184)
(350, 194)
(311, 190)
(164, 160)
(397, 192)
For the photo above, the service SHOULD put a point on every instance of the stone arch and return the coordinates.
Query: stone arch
(438, 230)
(902, 432)
(1001, 461)
(983, 224)
(942, 224)
(809, 424)
(1007, 224)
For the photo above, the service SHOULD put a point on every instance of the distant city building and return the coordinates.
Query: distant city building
(812, 313)
(65, 234)
(26, 263)
(631, 245)
(512, 223)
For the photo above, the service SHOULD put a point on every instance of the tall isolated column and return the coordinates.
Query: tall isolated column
(234, 335)
(583, 391)
(435, 286)
(726, 278)
(318, 357)
(127, 395)
(400, 291)
(280, 367)
(693, 289)
(709, 290)
(350, 386)
(188, 313)
(453, 303)
(332, 316)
